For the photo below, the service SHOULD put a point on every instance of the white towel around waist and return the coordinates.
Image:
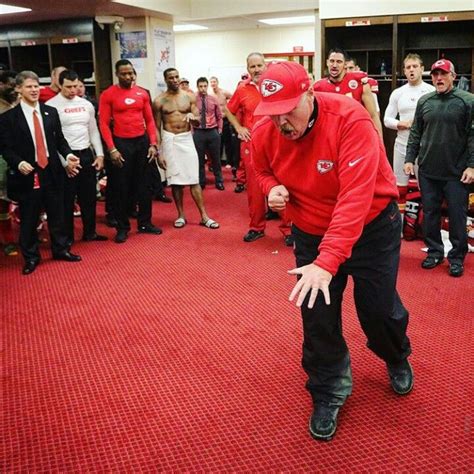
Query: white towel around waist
(182, 163)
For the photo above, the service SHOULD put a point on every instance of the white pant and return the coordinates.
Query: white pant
(399, 153)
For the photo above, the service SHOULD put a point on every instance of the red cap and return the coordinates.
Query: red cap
(281, 87)
(444, 65)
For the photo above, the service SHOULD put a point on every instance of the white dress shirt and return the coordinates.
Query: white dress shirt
(28, 111)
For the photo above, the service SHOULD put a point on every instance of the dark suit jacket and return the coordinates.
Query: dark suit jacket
(16, 145)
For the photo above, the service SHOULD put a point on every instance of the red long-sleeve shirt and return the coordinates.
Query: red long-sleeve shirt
(244, 101)
(337, 175)
(131, 112)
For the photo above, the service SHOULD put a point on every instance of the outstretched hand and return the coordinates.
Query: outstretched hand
(313, 279)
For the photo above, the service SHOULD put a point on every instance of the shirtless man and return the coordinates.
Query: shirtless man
(174, 111)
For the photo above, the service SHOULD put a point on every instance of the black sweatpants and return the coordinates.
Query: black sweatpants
(84, 186)
(132, 177)
(373, 266)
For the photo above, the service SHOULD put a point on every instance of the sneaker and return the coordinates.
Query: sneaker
(431, 261)
(253, 235)
(149, 229)
(323, 421)
(401, 377)
(456, 269)
(239, 188)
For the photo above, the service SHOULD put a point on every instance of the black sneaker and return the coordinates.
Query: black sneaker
(239, 188)
(456, 269)
(121, 237)
(149, 229)
(253, 235)
(430, 262)
(401, 377)
(323, 421)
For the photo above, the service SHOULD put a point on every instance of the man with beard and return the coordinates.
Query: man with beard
(176, 109)
(319, 157)
(132, 145)
(352, 84)
(442, 138)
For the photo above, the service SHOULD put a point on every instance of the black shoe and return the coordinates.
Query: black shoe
(163, 198)
(67, 257)
(239, 188)
(289, 240)
(271, 215)
(253, 235)
(456, 269)
(111, 221)
(149, 229)
(30, 267)
(323, 421)
(94, 237)
(401, 377)
(121, 237)
(220, 186)
(430, 262)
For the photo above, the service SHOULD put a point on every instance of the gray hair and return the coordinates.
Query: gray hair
(22, 76)
(255, 54)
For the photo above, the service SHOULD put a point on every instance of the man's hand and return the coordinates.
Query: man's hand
(161, 162)
(277, 198)
(409, 169)
(116, 158)
(468, 176)
(313, 279)
(72, 166)
(189, 117)
(404, 124)
(98, 163)
(25, 168)
(152, 153)
(243, 133)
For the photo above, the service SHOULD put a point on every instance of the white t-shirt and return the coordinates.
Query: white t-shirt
(78, 122)
(402, 103)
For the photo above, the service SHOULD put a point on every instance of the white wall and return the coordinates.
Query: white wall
(223, 53)
(351, 8)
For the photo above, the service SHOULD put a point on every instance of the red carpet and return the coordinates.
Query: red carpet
(181, 353)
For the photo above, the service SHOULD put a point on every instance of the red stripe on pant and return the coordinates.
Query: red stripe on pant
(256, 198)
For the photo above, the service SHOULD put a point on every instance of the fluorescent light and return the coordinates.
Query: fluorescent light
(292, 20)
(189, 27)
(6, 9)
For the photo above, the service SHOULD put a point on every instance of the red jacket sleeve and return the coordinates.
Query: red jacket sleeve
(105, 116)
(359, 154)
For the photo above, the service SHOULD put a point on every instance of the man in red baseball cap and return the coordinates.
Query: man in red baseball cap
(442, 138)
(319, 157)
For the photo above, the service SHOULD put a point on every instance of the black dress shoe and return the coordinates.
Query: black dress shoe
(163, 198)
(253, 235)
(289, 240)
(239, 188)
(30, 267)
(121, 237)
(67, 257)
(323, 421)
(431, 261)
(111, 221)
(220, 186)
(94, 237)
(149, 229)
(401, 377)
(456, 269)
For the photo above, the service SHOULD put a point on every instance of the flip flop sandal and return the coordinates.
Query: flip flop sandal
(180, 222)
(210, 224)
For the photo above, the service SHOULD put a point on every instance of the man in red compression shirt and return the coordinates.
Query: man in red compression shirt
(318, 156)
(131, 145)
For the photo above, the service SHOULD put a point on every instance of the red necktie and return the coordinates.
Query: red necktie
(39, 140)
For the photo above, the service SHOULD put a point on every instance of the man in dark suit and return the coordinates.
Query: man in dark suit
(30, 139)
